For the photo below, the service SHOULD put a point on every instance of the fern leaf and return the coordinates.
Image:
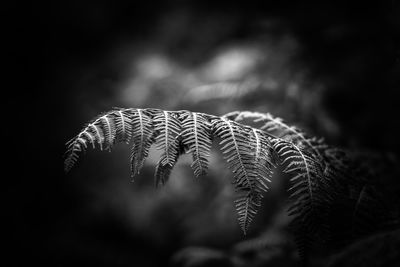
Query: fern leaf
(247, 206)
(103, 131)
(95, 128)
(308, 199)
(238, 150)
(74, 147)
(280, 129)
(142, 138)
(263, 162)
(123, 125)
(196, 135)
(168, 127)
(163, 167)
(109, 131)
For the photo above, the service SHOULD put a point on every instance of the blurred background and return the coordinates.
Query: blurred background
(332, 69)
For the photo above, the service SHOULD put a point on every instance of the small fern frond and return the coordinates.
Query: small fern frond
(75, 146)
(236, 149)
(109, 131)
(123, 125)
(196, 135)
(263, 161)
(143, 136)
(304, 173)
(244, 155)
(277, 126)
(104, 131)
(307, 194)
(164, 167)
(168, 127)
(247, 205)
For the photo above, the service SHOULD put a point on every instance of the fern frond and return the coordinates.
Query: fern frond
(168, 127)
(104, 131)
(311, 165)
(307, 193)
(263, 161)
(196, 135)
(244, 153)
(163, 167)
(236, 149)
(247, 205)
(280, 129)
(315, 177)
(143, 136)
(123, 125)
(304, 173)
(109, 130)
(337, 172)
(327, 157)
(74, 147)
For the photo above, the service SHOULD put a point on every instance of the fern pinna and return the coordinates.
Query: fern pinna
(316, 171)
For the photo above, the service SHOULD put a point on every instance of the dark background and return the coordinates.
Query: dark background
(69, 61)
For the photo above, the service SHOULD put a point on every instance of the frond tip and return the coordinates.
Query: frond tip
(102, 131)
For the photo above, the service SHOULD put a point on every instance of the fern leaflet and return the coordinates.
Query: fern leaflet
(142, 138)
(241, 157)
(196, 135)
